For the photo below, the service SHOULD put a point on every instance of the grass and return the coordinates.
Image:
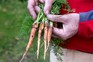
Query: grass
(14, 37)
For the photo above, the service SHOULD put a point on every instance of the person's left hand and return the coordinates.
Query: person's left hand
(34, 8)
(70, 25)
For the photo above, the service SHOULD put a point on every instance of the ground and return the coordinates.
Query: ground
(14, 32)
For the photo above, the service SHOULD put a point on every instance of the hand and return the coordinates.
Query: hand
(70, 25)
(34, 8)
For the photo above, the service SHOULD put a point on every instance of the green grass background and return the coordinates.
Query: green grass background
(15, 26)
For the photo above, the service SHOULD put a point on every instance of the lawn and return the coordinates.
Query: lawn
(14, 32)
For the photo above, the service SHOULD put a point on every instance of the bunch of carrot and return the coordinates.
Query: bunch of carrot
(44, 25)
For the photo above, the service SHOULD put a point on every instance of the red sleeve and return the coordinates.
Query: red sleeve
(86, 29)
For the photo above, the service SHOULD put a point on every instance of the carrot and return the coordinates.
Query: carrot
(32, 35)
(39, 37)
(49, 34)
(45, 38)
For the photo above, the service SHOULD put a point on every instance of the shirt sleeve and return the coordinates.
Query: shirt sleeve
(86, 16)
(86, 24)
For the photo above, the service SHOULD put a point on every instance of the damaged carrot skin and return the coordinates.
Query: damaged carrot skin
(32, 35)
(45, 38)
(39, 37)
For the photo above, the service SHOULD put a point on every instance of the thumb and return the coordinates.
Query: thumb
(56, 18)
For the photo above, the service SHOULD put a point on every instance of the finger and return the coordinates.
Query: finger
(31, 2)
(56, 18)
(42, 1)
(48, 6)
(60, 33)
(37, 9)
(32, 12)
(31, 8)
(36, 2)
(57, 31)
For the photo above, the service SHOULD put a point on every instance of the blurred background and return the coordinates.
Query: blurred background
(15, 26)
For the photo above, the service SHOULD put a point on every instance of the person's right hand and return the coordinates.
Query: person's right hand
(70, 23)
(34, 8)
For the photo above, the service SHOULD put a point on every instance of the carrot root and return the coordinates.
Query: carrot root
(49, 36)
(45, 39)
(39, 37)
(23, 56)
(32, 35)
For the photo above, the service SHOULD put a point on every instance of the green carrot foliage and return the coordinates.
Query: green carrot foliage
(55, 10)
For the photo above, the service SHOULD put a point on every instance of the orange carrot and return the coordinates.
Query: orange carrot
(32, 35)
(39, 37)
(45, 38)
(49, 34)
